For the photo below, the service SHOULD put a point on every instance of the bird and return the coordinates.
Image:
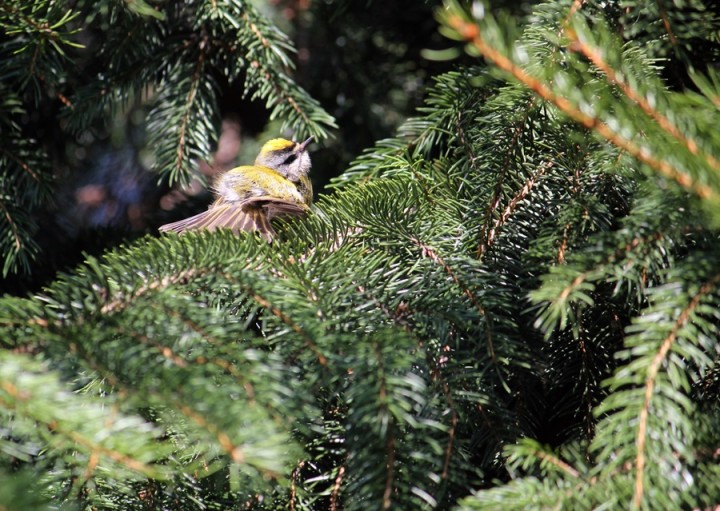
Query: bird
(248, 197)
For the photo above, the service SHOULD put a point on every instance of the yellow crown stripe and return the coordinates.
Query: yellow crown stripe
(278, 144)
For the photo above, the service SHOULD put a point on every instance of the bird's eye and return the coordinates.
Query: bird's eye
(290, 159)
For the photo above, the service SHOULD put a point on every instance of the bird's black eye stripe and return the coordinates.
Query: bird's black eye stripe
(290, 158)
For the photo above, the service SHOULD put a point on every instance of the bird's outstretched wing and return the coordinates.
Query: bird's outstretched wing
(253, 214)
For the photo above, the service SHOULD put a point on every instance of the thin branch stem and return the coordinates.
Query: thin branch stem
(513, 204)
(336, 489)
(497, 194)
(13, 228)
(557, 462)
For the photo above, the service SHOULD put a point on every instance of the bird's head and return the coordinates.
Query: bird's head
(289, 158)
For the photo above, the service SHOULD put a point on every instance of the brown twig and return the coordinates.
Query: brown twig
(513, 204)
(666, 23)
(336, 489)
(13, 227)
(497, 193)
(557, 462)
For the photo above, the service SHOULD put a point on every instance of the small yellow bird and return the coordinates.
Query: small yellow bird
(250, 196)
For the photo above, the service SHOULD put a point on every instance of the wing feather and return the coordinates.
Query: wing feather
(252, 214)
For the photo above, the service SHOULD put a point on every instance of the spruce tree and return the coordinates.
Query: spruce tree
(512, 304)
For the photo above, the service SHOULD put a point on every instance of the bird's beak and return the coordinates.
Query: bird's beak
(305, 144)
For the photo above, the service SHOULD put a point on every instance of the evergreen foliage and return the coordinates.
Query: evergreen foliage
(171, 54)
(512, 304)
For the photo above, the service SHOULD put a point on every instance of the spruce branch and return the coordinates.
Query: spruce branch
(14, 229)
(23, 164)
(494, 202)
(512, 207)
(652, 373)
(428, 251)
(471, 33)
(267, 76)
(24, 185)
(529, 448)
(25, 385)
(369, 357)
(275, 311)
(43, 29)
(595, 55)
(16, 236)
(640, 248)
(181, 154)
